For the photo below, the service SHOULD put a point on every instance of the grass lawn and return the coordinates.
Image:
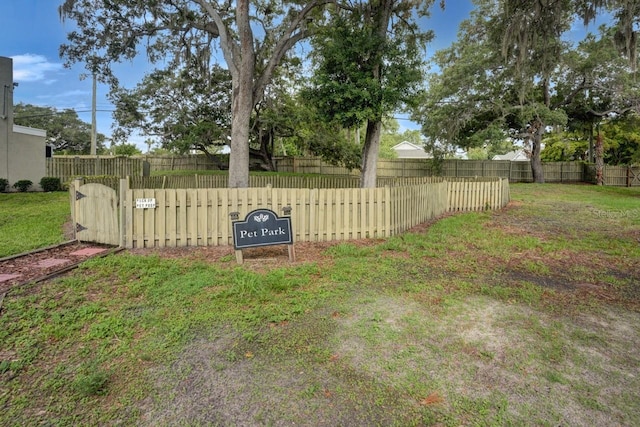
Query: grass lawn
(525, 316)
(32, 220)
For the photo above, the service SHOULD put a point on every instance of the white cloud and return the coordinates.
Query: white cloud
(32, 68)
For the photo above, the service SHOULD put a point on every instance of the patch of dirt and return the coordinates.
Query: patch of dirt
(228, 381)
(35, 265)
(68, 230)
(260, 258)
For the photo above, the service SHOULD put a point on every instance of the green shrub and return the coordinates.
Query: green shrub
(22, 185)
(3, 185)
(49, 183)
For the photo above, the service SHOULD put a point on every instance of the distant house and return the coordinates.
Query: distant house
(514, 156)
(22, 149)
(407, 150)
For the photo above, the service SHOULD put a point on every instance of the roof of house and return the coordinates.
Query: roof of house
(29, 131)
(514, 156)
(408, 150)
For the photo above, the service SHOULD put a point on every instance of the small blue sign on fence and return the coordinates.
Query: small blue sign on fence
(262, 227)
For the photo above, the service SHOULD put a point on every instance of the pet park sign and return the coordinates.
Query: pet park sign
(262, 227)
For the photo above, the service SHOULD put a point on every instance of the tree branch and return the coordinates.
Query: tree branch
(230, 48)
(294, 33)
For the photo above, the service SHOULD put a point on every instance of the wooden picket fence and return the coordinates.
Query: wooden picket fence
(201, 216)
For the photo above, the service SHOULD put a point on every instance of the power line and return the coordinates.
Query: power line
(67, 111)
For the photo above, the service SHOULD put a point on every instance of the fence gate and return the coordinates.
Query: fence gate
(633, 176)
(95, 208)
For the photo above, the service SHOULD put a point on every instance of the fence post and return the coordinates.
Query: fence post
(124, 188)
(74, 199)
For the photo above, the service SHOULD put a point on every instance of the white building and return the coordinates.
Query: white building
(407, 150)
(22, 149)
(514, 156)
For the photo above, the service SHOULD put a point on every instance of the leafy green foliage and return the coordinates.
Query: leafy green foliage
(622, 140)
(369, 64)
(22, 185)
(512, 75)
(188, 108)
(564, 146)
(125, 149)
(183, 35)
(4, 183)
(620, 137)
(362, 73)
(50, 183)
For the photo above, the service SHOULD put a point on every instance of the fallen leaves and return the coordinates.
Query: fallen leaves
(433, 399)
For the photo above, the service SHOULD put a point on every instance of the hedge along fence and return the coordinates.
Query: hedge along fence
(201, 216)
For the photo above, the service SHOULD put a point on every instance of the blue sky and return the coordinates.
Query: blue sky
(31, 33)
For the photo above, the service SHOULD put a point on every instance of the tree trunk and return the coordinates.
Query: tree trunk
(242, 100)
(242, 105)
(370, 154)
(382, 16)
(599, 149)
(536, 147)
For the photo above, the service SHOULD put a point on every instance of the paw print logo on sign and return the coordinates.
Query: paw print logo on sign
(261, 218)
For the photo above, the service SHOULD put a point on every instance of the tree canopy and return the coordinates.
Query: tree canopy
(65, 131)
(511, 73)
(182, 109)
(369, 63)
(253, 38)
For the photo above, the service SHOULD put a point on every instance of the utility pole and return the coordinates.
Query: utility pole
(94, 135)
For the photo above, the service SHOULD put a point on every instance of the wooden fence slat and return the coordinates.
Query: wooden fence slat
(170, 218)
(181, 213)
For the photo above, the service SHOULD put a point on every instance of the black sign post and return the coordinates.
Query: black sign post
(262, 227)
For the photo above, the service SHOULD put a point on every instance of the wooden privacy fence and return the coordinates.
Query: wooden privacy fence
(201, 216)
(186, 162)
(618, 176)
(67, 168)
(277, 181)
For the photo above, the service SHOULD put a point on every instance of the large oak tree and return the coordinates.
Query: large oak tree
(253, 37)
